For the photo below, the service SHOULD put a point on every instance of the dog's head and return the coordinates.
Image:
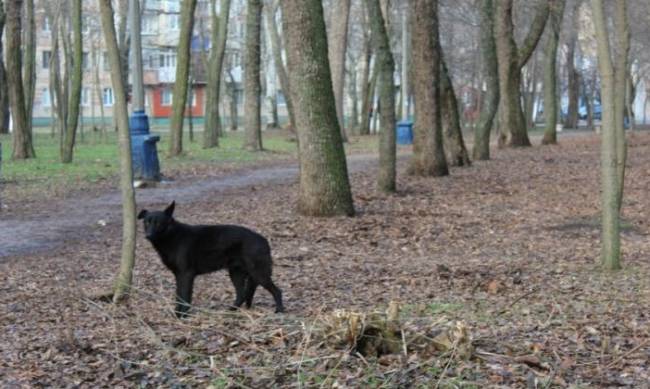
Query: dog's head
(156, 223)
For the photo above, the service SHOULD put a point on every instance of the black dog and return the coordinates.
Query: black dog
(192, 250)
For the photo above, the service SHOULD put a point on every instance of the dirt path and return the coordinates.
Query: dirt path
(71, 219)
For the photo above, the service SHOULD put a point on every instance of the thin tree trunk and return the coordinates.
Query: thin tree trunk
(404, 90)
(252, 85)
(550, 76)
(75, 91)
(573, 76)
(490, 103)
(29, 61)
(280, 69)
(4, 92)
(219, 35)
(324, 185)
(22, 138)
(428, 149)
(386, 68)
(368, 103)
(513, 131)
(452, 130)
(338, 42)
(125, 275)
(530, 93)
(123, 40)
(613, 137)
(182, 76)
(232, 93)
(354, 98)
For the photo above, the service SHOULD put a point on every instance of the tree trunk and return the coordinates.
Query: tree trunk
(530, 93)
(573, 77)
(252, 84)
(4, 92)
(428, 149)
(22, 138)
(280, 69)
(75, 91)
(124, 277)
(338, 42)
(232, 94)
(513, 131)
(490, 103)
(368, 96)
(613, 137)
(324, 184)
(354, 98)
(219, 35)
(550, 76)
(452, 130)
(386, 68)
(404, 78)
(182, 77)
(29, 61)
(123, 40)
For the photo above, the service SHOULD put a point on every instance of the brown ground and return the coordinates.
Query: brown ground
(508, 246)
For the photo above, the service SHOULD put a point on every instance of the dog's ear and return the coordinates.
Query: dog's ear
(169, 211)
(142, 214)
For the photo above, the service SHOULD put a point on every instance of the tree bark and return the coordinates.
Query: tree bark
(22, 137)
(490, 103)
(4, 92)
(513, 131)
(125, 275)
(428, 149)
(75, 91)
(324, 184)
(550, 76)
(123, 39)
(452, 130)
(219, 35)
(613, 136)
(573, 76)
(386, 68)
(338, 42)
(252, 84)
(29, 61)
(182, 77)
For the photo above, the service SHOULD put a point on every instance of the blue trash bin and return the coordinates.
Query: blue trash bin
(404, 132)
(143, 148)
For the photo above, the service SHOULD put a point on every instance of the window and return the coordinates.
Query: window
(47, 58)
(166, 97)
(46, 24)
(85, 60)
(168, 60)
(107, 97)
(85, 97)
(106, 63)
(174, 21)
(149, 24)
(45, 97)
(193, 98)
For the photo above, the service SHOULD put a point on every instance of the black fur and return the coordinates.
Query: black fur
(189, 251)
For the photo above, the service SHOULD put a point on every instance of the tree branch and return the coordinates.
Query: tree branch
(535, 33)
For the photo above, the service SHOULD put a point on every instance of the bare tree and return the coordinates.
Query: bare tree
(218, 35)
(125, 275)
(428, 150)
(75, 87)
(252, 84)
(324, 185)
(386, 68)
(512, 58)
(22, 137)
(614, 145)
(338, 42)
(550, 77)
(182, 78)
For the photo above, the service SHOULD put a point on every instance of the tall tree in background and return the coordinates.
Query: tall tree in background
(218, 35)
(490, 70)
(428, 150)
(512, 124)
(324, 184)
(280, 69)
(338, 43)
(182, 77)
(22, 137)
(613, 145)
(125, 275)
(4, 92)
(550, 76)
(386, 68)
(252, 84)
(452, 131)
(573, 75)
(29, 61)
(75, 91)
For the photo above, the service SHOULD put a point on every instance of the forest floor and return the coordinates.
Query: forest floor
(500, 259)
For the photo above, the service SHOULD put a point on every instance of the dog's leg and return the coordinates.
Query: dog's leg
(274, 290)
(184, 285)
(238, 278)
(251, 286)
